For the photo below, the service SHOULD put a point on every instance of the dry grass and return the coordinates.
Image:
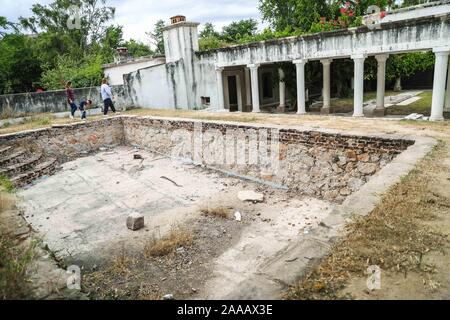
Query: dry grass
(219, 212)
(15, 260)
(118, 279)
(393, 236)
(178, 237)
(6, 201)
(15, 257)
(38, 121)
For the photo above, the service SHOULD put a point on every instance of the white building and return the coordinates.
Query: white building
(241, 77)
(125, 65)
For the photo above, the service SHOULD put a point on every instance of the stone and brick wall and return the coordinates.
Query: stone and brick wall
(323, 165)
(67, 142)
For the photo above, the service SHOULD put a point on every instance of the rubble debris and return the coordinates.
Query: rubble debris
(135, 221)
(250, 196)
(168, 297)
(138, 157)
(416, 116)
(238, 216)
(176, 184)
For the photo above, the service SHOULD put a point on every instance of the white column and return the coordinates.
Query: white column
(255, 86)
(380, 109)
(440, 75)
(220, 95)
(248, 90)
(301, 97)
(326, 86)
(447, 93)
(282, 87)
(358, 105)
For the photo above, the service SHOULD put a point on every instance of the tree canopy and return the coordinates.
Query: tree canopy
(50, 47)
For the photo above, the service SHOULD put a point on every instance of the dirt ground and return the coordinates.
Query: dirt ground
(407, 235)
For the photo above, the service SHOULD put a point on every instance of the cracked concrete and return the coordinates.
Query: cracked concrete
(85, 206)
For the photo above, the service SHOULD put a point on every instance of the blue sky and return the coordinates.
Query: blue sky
(139, 16)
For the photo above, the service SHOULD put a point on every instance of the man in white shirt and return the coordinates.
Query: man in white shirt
(107, 97)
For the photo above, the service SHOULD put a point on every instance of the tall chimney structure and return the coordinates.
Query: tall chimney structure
(180, 45)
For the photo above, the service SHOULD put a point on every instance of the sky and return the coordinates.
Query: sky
(139, 16)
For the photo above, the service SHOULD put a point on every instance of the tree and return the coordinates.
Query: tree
(239, 29)
(20, 68)
(209, 31)
(53, 18)
(293, 14)
(86, 72)
(157, 38)
(67, 50)
(112, 39)
(5, 26)
(137, 49)
(408, 3)
(405, 65)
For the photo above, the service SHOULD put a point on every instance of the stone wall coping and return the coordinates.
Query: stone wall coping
(344, 134)
(365, 199)
(56, 126)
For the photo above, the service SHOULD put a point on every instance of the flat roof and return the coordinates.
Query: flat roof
(133, 61)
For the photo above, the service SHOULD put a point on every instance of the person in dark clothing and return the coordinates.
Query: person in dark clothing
(83, 106)
(71, 99)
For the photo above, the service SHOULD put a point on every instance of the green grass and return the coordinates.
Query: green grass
(43, 120)
(344, 102)
(422, 106)
(6, 184)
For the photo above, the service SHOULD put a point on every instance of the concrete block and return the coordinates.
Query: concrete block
(135, 221)
(250, 196)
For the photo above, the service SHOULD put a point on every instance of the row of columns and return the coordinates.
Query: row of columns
(441, 85)
(441, 71)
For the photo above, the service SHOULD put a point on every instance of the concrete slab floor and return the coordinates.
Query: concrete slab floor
(81, 211)
(86, 204)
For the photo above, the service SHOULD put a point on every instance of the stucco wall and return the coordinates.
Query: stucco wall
(174, 85)
(56, 101)
(151, 88)
(115, 72)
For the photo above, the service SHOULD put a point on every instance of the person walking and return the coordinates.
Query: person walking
(107, 97)
(71, 99)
